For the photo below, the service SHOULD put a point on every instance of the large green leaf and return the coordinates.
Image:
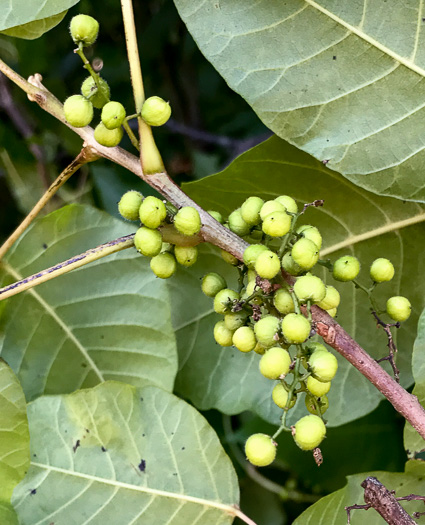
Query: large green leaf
(14, 13)
(14, 436)
(116, 454)
(352, 221)
(342, 80)
(35, 29)
(107, 320)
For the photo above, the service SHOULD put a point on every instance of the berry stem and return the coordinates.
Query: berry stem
(80, 52)
(131, 135)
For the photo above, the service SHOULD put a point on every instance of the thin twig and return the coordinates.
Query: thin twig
(391, 345)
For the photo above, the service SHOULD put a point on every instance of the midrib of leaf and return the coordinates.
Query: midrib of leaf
(229, 509)
(358, 32)
(16, 275)
(354, 239)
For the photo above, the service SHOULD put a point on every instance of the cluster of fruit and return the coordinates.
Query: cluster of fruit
(271, 312)
(95, 93)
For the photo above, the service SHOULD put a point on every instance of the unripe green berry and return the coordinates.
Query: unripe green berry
(346, 268)
(129, 205)
(332, 312)
(251, 254)
(322, 401)
(229, 258)
(270, 207)
(249, 290)
(222, 334)
(290, 266)
(212, 283)
(317, 388)
(382, 270)
(283, 302)
(244, 339)
(187, 220)
(186, 255)
(259, 349)
(78, 111)
(163, 265)
(155, 111)
(250, 210)
(260, 450)
(216, 215)
(148, 242)
(237, 224)
(266, 329)
(309, 288)
(276, 224)
(311, 233)
(84, 29)
(251, 275)
(288, 202)
(399, 308)
(275, 363)
(224, 299)
(309, 432)
(323, 365)
(152, 212)
(113, 114)
(108, 137)
(267, 265)
(280, 396)
(235, 320)
(97, 96)
(314, 346)
(295, 328)
(305, 253)
(331, 299)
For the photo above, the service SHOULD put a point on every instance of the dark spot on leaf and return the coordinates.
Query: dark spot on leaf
(45, 246)
(142, 465)
(88, 431)
(143, 435)
(33, 491)
(35, 455)
(141, 399)
(334, 57)
(102, 337)
(77, 444)
(103, 449)
(183, 448)
(84, 365)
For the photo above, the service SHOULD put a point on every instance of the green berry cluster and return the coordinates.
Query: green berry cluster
(148, 240)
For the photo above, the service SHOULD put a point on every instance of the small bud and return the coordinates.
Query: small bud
(155, 111)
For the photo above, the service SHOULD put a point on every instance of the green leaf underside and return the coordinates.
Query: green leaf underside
(330, 509)
(161, 462)
(35, 29)
(15, 13)
(341, 80)
(14, 436)
(107, 320)
(352, 221)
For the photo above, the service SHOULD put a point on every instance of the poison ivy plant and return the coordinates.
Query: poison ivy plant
(341, 80)
(108, 320)
(117, 454)
(352, 221)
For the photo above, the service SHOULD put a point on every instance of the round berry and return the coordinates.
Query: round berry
(267, 265)
(78, 111)
(295, 328)
(309, 432)
(152, 212)
(222, 334)
(129, 205)
(148, 242)
(322, 402)
(309, 288)
(266, 329)
(186, 255)
(283, 302)
(276, 224)
(163, 265)
(212, 283)
(259, 349)
(323, 365)
(317, 388)
(399, 308)
(113, 114)
(331, 299)
(155, 111)
(305, 253)
(237, 224)
(216, 215)
(235, 320)
(346, 268)
(224, 299)
(381, 270)
(108, 137)
(332, 312)
(275, 362)
(244, 339)
(251, 254)
(84, 29)
(280, 396)
(314, 346)
(270, 207)
(260, 450)
(312, 233)
(288, 202)
(98, 96)
(187, 220)
(250, 210)
(290, 266)
(229, 258)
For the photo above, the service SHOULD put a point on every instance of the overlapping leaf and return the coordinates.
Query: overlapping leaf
(35, 29)
(352, 221)
(342, 80)
(116, 454)
(14, 13)
(107, 320)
